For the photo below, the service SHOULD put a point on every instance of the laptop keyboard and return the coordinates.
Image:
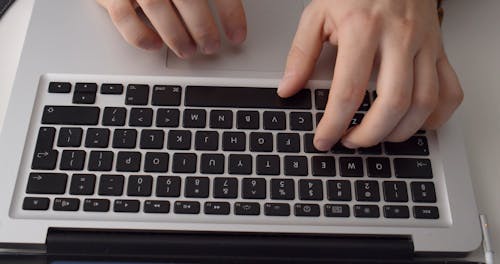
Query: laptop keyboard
(205, 150)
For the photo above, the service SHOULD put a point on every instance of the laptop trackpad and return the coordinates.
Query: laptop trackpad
(271, 28)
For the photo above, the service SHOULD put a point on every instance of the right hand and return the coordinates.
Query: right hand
(184, 25)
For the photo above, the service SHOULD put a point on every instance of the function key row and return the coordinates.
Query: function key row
(224, 208)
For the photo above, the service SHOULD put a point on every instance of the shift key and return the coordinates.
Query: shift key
(70, 115)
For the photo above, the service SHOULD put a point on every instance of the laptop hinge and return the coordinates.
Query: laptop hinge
(224, 246)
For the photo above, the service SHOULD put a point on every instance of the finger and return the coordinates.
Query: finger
(200, 23)
(394, 89)
(451, 95)
(303, 54)
(233, 19)
(164, 18)
(424, 99)
(356, 52)
(130, 26)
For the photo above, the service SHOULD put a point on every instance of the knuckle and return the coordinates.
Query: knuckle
(398, 103)
(425, 101)
(139, 40)
(457, 96)
(363, 19)
(348, 96)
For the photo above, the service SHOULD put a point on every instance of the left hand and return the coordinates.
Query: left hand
(416, 85)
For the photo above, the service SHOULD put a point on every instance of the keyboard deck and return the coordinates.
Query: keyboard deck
(106, 150)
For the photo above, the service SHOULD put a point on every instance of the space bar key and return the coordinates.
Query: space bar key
(70, 115)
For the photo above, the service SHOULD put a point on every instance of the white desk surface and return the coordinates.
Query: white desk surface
(472, 37)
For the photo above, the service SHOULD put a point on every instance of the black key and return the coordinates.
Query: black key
(339, 148)
(413, 168)
(195, 118)
(85, 88)
(365, 105)
(274, 120)
(36, 203)
(126, 206)
(70, 137)
(378, 167)
(111, 88)
(309, 144)
(137, 94)
(339, 190)
(197, 187)
(240, 164)
(72, 160)
(337, 210)
(351, 167)
(179, 140)
(164, 95)
(167, 118)
(288, 142)
(393, 211)
(217, 208)
(425, 212)
(101, 161)
(156, 207)
(318, 118)
(96, 205)
(125, 138)
(323, 166)
(114, 116)
(367, 191)
(184, 162)
(374, 150)
(282, 189)
(311, 190)
(156, 162)
(152, 139)
(246, 208)
(71, 115)
(168, 186)
(141, 117)
(296, 166)
(261, 142)
(321, 98)
(45, 139)
(97, 138)
(111, 185)
(423, 192)
(139, 185)
(82, 184)
(253, 188)
(44, 159)
(212, 163)
(186, 207)
(366, 211)
(243, 97)
(247, 120)
(415, 146)
(277, 209)
(233, 141)
(221, 119)
(395, 191)
(66, 204)
(268, 165)
(311, 210)
(59, 87)
(226, 188)
(206, 140)
(301, 121)
(356, 120)
(420, 132)
(84, 98)
(128, 161)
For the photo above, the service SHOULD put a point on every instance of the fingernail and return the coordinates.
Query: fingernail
(238, 36)
(152, 45)
(322, 144)
(349, 144)
(188, 51)
(211, 47)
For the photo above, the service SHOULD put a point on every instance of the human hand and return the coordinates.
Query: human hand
(183, 25)
(416, 85)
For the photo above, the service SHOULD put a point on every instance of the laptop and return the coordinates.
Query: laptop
(108, 151)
